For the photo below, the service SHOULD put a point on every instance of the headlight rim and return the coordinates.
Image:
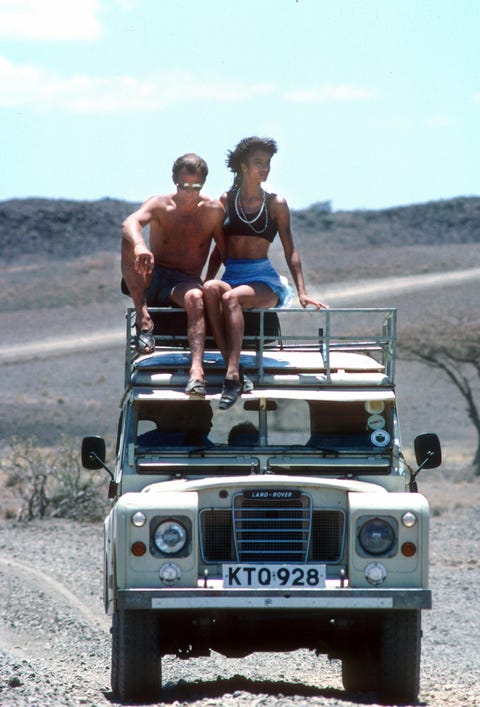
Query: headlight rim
(387, 548)
(163, 548)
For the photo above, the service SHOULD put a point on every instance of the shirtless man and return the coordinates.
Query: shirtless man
(182, 226)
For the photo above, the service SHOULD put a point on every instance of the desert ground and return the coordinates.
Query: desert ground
(61, 361)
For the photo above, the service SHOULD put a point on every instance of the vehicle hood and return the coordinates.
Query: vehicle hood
(347, 485)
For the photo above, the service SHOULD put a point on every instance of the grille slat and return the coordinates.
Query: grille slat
(272, 530)
(285, 530)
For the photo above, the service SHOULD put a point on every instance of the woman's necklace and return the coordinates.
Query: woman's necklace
(243, 216)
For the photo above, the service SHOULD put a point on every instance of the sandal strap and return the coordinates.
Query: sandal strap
(196, 388)
(230, 393)
(144, 342)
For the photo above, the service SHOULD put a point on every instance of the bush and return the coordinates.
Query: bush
(52, 482)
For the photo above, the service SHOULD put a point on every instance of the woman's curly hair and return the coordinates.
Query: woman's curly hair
(243, 150)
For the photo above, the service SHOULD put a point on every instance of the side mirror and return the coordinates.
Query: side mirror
(93, 457)
(428, 451)
(93, 452)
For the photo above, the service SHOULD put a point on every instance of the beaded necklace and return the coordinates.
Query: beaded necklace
(243, 216)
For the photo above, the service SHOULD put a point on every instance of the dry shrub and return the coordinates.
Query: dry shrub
(51, 482)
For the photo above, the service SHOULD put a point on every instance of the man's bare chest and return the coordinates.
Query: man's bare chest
(184, 227)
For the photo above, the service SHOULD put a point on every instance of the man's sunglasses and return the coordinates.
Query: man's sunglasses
(185, 186)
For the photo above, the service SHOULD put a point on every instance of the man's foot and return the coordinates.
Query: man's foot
(144, 341)
(196, 388)
(232, 390)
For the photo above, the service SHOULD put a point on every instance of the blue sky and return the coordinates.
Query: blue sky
(373, 103)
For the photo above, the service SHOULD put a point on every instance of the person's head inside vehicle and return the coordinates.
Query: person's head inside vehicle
(243, 435)
(176, 423)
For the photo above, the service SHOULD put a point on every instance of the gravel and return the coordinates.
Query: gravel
(55, 641)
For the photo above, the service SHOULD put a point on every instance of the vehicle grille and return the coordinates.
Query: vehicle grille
(272, 531)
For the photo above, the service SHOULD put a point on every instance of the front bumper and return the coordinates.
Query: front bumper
(266, 599)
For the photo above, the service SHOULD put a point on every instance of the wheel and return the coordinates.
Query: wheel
(399, 657)
(136, 657)
(114, 660)
(387, 660)
(359, 672)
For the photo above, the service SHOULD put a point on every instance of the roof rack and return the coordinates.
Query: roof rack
(330, 332)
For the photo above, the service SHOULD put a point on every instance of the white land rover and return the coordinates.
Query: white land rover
(290, 521)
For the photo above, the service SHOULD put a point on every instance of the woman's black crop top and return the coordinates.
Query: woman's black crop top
(263, 227)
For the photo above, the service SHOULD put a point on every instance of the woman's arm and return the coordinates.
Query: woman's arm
(214, 263)
(279, 210)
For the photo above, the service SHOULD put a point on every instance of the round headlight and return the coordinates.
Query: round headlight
(376, 536)
(375, 573)
(170, 537)
(169, 573)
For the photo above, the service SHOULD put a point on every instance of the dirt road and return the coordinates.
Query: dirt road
(337, 296)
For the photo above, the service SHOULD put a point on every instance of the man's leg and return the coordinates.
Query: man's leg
(137, 284)
(190, 297)
(212, 295)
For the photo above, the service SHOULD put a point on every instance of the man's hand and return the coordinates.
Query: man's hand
(144, 260)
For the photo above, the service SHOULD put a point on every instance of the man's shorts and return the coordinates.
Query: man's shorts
(245, 271)
(162, 284)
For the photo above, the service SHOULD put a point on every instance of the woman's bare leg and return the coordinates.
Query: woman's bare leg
(234, 301)
(224, 307)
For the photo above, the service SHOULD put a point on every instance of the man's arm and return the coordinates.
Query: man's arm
(133, 240)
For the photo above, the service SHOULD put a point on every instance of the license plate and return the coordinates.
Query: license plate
(257, 576)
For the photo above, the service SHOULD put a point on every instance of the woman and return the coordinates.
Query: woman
(253, 218)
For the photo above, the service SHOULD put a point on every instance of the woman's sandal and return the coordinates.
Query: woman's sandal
(144, 341)
(232, 390)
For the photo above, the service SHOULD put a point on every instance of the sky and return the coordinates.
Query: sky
(373, 103)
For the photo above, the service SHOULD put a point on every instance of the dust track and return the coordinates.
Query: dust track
(336, 296)
(35, 576)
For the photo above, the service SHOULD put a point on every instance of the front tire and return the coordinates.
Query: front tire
(136, 657)
(359, 672)
(387, 661)
(399, 657)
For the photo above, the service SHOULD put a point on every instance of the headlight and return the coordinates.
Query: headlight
(169, 573)
(170, 537)
(376, 536)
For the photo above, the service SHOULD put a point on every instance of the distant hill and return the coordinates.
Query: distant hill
(59, 228)
(64, 229)
(433, 223)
